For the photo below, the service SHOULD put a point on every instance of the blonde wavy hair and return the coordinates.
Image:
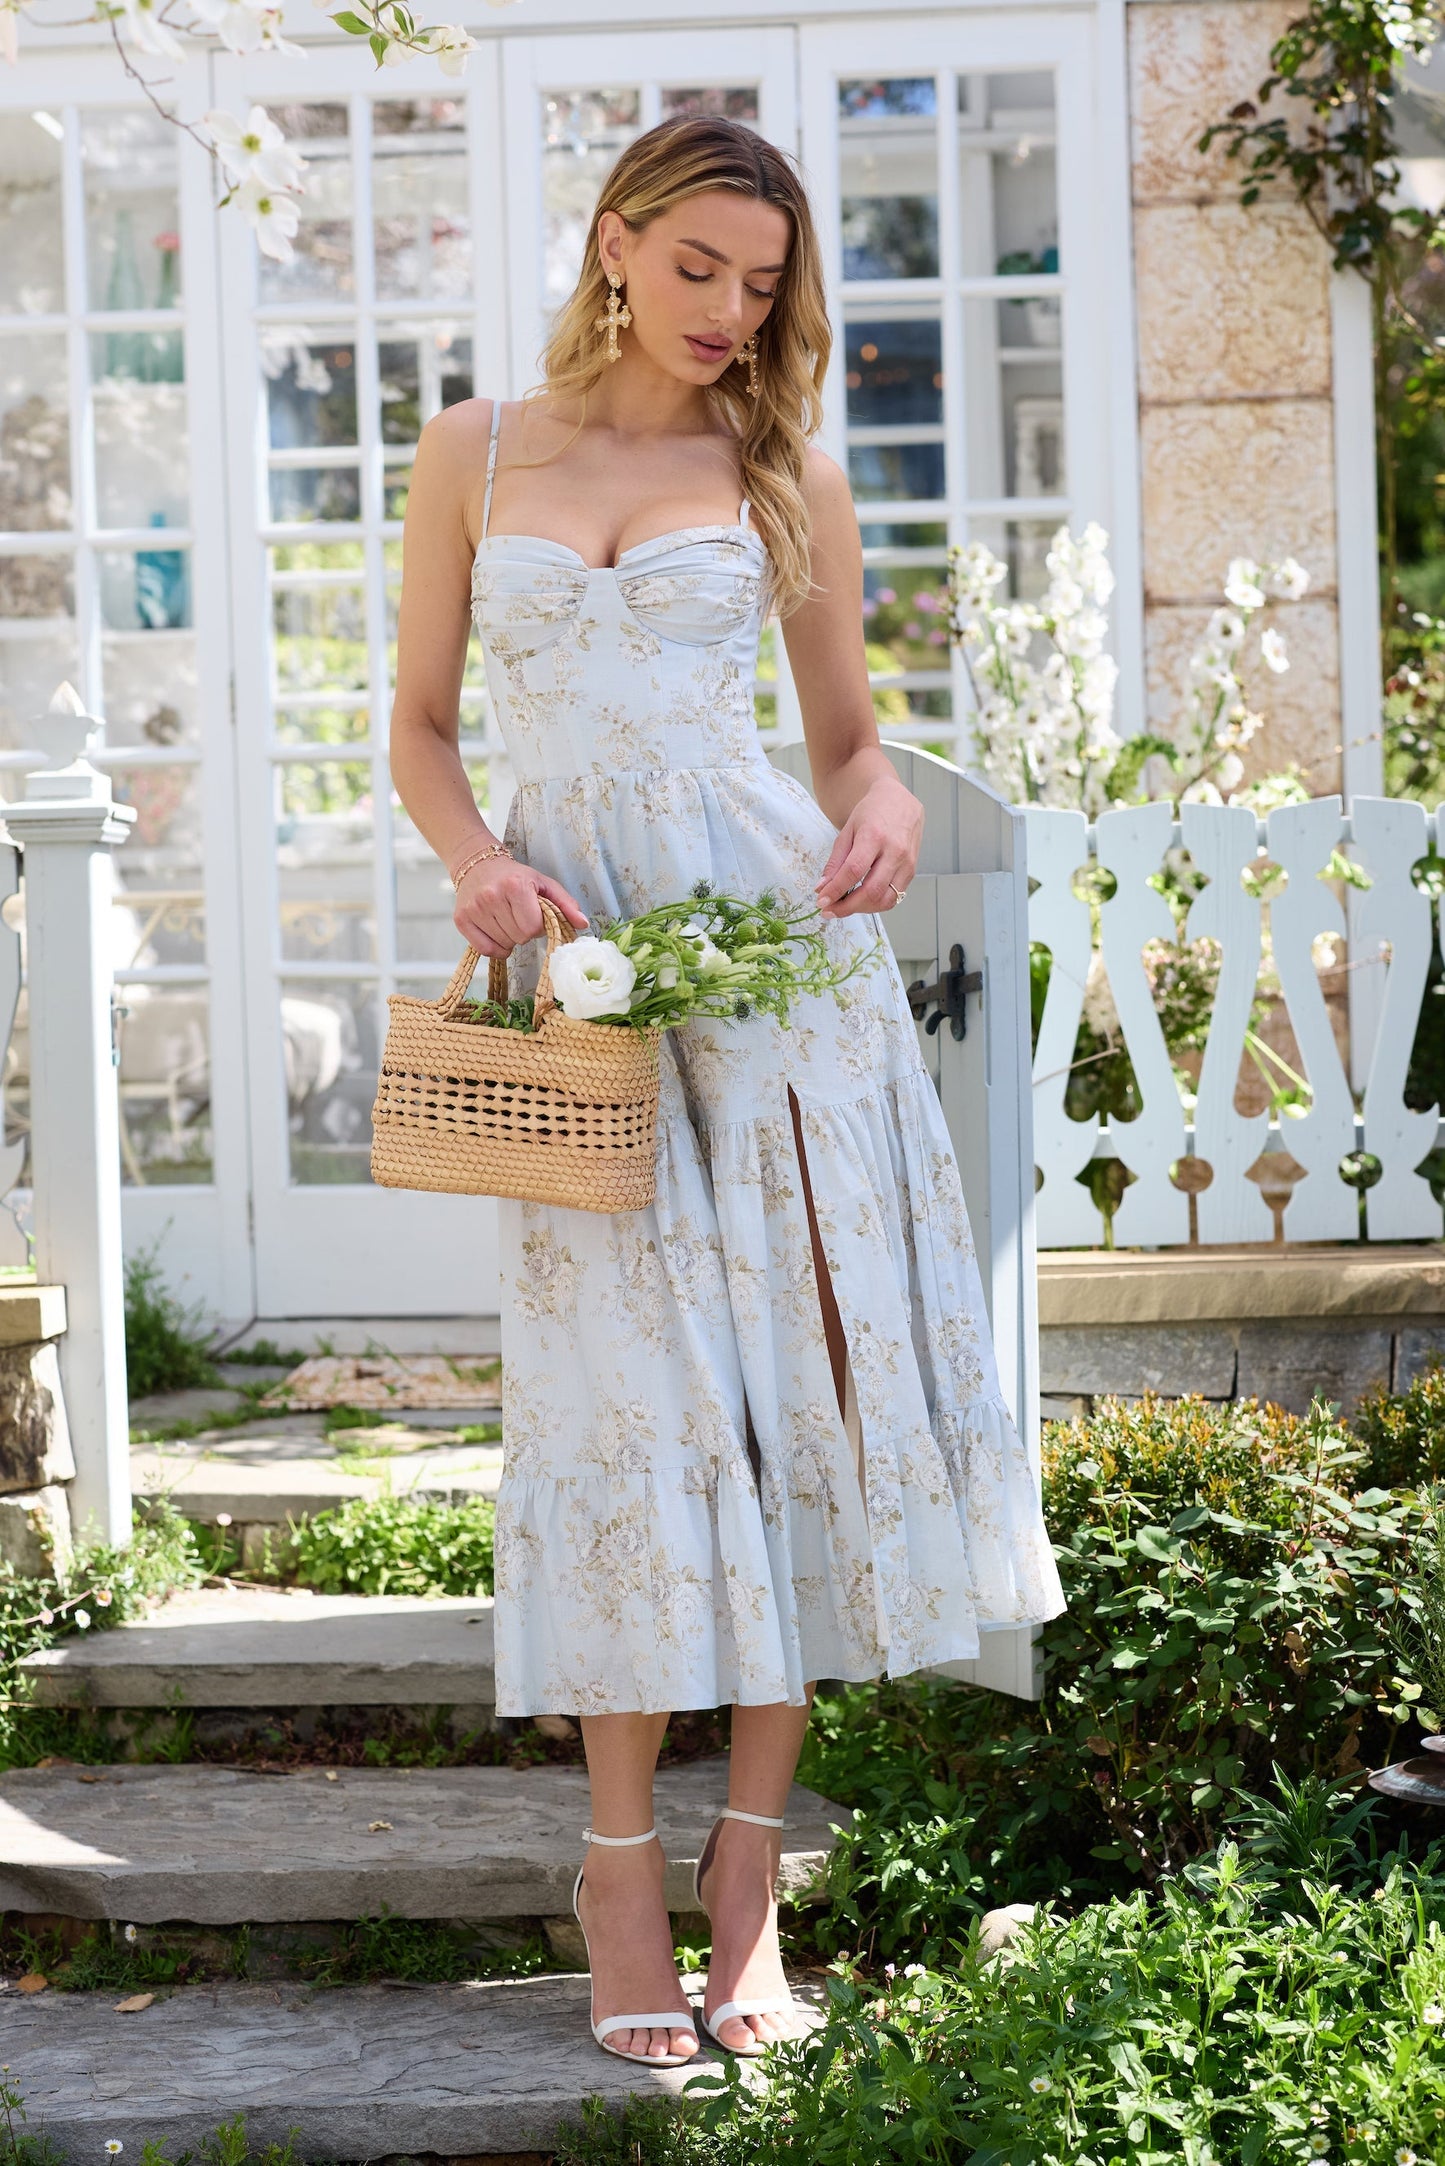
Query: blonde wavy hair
(679, 158)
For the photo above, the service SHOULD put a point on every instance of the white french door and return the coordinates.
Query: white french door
(438, 232)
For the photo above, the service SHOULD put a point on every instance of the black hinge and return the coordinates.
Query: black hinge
(949, 989)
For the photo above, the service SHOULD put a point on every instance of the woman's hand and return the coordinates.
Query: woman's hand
(497, 905)
(870, 865)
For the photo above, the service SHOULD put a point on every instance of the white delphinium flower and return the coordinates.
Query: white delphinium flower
(1273, 651)
(1241, 583)
(1288, 579)
(592, 977)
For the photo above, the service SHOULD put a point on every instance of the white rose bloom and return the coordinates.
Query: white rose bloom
(592, 977)
(1273, 650)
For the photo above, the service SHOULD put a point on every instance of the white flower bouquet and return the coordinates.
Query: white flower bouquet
(706, 955)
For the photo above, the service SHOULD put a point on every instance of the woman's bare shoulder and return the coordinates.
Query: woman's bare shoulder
(451, 461)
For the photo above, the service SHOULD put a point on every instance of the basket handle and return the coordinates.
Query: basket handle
(558, 932)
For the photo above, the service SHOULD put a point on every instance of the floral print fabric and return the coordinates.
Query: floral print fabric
(647, 1559)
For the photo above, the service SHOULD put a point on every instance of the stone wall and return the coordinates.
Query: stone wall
(1236, 420)
(36, 1462)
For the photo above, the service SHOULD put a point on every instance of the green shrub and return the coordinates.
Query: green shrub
(102, 1586)
(1232, 2017)
(166, 1344)
(397, 1545)
(1404, 1433)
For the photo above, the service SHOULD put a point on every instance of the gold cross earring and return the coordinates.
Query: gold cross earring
(617, 318)
(748, 351)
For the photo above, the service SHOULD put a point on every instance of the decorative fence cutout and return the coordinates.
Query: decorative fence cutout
(1213, 1173)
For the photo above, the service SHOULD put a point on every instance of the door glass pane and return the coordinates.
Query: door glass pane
(1022, 544)
(582, 133)
(733, 101)
(422, 225)
(330, 1048)
(149, 686)
(310, 388)
(324, 851)
(1008, 194)
(144, 590)
(894, 379)
(1014, 412)
(34, 434)
(323, 265)
(165, 1085)
(32, 251)
(888, 180)
(132, 213)
(139, 423)
(425, 897)
(159, 905)
(38, 643)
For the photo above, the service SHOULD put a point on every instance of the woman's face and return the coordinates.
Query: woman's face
(699, 279)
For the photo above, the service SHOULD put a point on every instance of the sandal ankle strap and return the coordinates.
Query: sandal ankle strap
(758, 1820)
(617, 1842)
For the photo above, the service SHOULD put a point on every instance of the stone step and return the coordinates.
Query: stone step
(224, 1846)
(270, 1491)
(278, 1647)
(350, 2072)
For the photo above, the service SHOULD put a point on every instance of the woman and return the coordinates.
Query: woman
(754, 1433)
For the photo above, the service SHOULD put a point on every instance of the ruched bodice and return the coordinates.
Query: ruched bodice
(645, 1560)
(647, 663)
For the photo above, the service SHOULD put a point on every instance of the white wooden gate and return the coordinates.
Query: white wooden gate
(970, 892)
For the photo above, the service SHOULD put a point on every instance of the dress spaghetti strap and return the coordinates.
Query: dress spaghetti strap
(491, 462)
(743, 514)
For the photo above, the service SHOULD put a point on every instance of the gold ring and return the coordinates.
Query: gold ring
(899, 892)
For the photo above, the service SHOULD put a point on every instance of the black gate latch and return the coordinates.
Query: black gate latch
(949, 990)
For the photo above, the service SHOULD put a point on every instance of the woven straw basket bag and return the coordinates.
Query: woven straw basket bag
(568, 1115)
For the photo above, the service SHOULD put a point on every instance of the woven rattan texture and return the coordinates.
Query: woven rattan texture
(568, 1115)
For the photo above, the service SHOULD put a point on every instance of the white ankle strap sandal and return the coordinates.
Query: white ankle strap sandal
(670, 2019)
(731, 2009)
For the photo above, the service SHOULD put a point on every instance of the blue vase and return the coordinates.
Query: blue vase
(160, 584)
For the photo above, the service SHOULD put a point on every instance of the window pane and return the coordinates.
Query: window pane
(905, 612)
(894, 371)
(32, 251)
(145, 590)
(896, 471)
(159, 910)
(889, 177)
(422, 225)
(138, 410)
(1014, 412)
(1008, 196)
(34, 435)
(165, 1085)
(330, 1044)
(318, 635)
(323, 261)
(324, 852)
(132, 215)
(38, 643)
(582, 133)
(421, 372)
(315, 492)
(150, 694)
(310, 389)
(739, 102)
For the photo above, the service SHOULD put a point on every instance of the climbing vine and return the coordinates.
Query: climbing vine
(1324, 126)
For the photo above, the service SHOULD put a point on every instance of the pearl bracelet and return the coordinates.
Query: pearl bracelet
(496, 849)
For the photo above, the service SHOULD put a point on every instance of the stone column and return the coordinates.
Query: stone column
(1235, 375)
(67, 824)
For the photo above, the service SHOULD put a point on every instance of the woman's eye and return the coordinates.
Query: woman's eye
(696, 277)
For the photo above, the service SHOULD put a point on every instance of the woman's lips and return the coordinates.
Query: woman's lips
(708, 349)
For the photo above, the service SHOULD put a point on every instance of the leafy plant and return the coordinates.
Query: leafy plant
(397, 1545)
(166, 1345)
(420, 1951)
(1404, 1432)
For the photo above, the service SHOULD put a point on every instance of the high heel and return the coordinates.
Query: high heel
(730, 2009)
(673, 2020)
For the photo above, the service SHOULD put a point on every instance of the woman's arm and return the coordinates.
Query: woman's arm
(879, 821)
(497, 901)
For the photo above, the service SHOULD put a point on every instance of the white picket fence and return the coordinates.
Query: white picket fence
(1387, 950)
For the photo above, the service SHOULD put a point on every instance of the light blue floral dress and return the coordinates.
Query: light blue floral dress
(642, 1563)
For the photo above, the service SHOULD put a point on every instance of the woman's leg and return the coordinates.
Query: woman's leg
(745, 1961)
(621, 1901)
